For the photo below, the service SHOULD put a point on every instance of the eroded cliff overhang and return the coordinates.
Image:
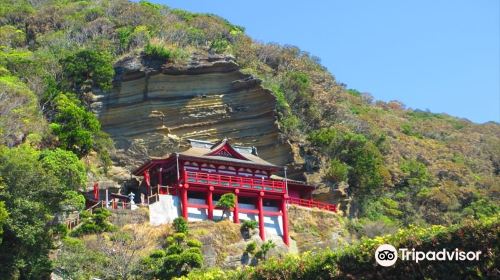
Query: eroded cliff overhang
(153, 108)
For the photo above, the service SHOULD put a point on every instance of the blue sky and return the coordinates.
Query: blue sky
(432, 54)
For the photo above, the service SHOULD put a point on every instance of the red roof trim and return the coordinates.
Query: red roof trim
(226, 149)
(149, 164)
(240, 164)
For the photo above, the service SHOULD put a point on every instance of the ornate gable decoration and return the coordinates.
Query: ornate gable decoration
(223, 153)
(224, 149)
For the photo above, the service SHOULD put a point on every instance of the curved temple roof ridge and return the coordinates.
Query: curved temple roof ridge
(195, 143)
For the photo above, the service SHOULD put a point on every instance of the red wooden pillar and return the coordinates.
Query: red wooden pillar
(284, 216)
(210, 203)
(148, 182)
(184, 201)
(236, 218)
(261, 216)
(96, 191)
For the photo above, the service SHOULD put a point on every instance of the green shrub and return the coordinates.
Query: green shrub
(157, 52)
(96, 222)
(176, 238)
(249, 224)
(157, 254)
(354, 92)
(12, 36)
(251, 247)
(178, 258)
(183, 14)
(416, 174)
(152, 6)
(219, 45)
(227, 202)
(337, 171)
(194, 243)
(124, 34)
(180, 225)
(356, 153)
(323, 137)
(282, 105)
(290, 123)
(482, 208)
(174, 249)
(408, 129)
(264, 249)
(297, 81)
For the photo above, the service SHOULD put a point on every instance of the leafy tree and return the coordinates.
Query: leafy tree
(75, 127)
(32, 195)
(66, 166)
(72, 201)
(121, 250)
(3, 218)
(88, 68)
(227, 202)
(355, 156)
(367, 173)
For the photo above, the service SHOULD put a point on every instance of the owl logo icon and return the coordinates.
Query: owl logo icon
(386, 255)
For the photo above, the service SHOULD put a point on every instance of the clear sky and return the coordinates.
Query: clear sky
(430, 54)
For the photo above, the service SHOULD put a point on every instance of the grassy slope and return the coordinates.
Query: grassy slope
(457, 162)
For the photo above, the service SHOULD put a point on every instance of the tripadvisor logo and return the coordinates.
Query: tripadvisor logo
(387, 255)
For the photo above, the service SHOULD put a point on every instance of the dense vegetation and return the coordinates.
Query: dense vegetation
(399, 166)
(357, 261)
(34, 187)
(179, 256)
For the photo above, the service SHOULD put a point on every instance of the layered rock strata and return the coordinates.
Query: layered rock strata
(153, 109)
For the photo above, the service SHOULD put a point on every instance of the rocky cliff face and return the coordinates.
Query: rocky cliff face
(154, 108)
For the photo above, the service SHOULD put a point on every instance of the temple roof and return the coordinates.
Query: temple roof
(224, 151)
(221, 151)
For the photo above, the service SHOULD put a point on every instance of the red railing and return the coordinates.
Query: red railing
(313, 203)
(217, 180)
(120, 204)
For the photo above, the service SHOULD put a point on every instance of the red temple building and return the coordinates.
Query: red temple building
(197, 177)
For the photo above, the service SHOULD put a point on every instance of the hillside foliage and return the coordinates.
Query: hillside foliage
(358, 262)
(398, 166)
